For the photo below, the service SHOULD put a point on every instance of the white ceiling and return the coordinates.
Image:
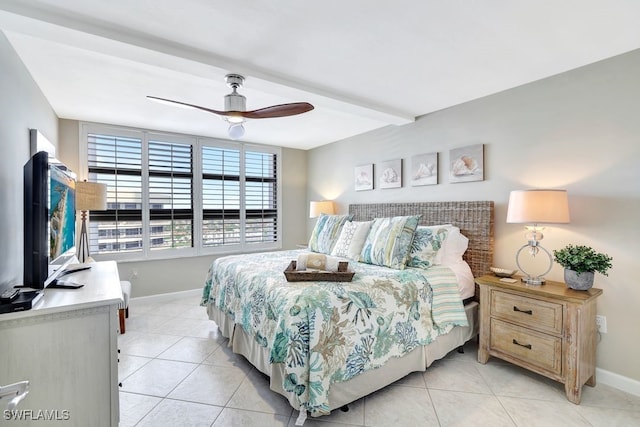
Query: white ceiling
(363, 64)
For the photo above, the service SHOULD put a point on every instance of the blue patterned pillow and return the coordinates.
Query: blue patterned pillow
(389, 241)
(326, 232)
(427, 246)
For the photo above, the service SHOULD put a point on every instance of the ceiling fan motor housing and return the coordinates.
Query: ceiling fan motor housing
(234, 101)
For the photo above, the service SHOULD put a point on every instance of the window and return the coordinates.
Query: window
(174, 195)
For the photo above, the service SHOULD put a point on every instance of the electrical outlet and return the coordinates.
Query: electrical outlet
(601, 324)
(134, 273)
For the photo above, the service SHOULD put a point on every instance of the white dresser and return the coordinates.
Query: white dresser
(66, 347)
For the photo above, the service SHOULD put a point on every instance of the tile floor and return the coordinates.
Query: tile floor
(177, 371)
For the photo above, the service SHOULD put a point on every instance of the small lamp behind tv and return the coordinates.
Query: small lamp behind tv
(90, 196)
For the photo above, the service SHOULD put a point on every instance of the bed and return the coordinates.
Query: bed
(326, 344)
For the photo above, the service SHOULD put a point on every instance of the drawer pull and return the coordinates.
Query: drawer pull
(522, 345)
(530, 312)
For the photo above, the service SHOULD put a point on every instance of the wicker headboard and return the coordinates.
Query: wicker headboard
(475, 220)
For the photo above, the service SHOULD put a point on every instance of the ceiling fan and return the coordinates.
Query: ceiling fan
(235, 109)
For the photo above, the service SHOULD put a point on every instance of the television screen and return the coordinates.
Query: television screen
(62, 213)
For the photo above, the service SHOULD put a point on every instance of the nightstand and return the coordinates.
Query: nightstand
(548, 329)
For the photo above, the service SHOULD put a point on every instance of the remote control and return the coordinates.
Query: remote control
(9, 295)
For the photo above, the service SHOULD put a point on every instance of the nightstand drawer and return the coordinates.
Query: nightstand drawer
(534, 348)
(530, 312)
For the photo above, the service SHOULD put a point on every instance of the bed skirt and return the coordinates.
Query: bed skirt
(343, 393)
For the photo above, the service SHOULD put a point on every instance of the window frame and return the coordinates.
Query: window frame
(197, 143)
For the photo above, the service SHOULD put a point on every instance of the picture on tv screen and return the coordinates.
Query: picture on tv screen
(62, 220)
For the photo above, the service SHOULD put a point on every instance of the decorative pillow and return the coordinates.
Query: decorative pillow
(326, 232)
(455, 246)
(351, 239)
(389, 241)
(427, 246)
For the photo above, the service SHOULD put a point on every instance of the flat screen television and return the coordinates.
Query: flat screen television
(49, 219)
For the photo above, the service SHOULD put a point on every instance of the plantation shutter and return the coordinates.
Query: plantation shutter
(220, 197)
(170, 195)
(117, 162)
(261, 212)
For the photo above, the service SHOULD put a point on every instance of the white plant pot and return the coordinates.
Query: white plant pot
(579, 281)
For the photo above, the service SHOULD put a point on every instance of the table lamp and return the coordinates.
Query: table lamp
(316, 208)
(537, 207)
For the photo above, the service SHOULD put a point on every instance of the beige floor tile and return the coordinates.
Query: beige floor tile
(239, 417)
(146, 344)
(254, 394)
(190, 349)
(608, 397)
(605, 417)
(144, 322)
(539, 413)
(414, 379)
(399, 405)
(128, 364)
(173, 413)
(209, 384)
(158, 377)
(459, 409)
(133, 407)
(456, 375)
(511, 380)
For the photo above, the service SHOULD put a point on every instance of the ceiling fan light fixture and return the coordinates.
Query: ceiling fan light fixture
(234, 119)
(235, 131)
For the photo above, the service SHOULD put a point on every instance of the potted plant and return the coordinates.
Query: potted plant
(580, 263)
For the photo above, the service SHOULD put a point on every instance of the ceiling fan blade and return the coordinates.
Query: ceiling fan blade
(171, 101)
(282, 110)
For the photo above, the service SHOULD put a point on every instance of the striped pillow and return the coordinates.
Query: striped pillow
(389, 241)
(326, 232)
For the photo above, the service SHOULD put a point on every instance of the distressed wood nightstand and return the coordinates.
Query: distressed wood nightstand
(548, 329)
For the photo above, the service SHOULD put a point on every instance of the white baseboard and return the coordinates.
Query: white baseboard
(618, 381)
(171, 296)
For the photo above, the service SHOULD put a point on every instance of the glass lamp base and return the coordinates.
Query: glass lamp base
(533, 281)
(529, 279)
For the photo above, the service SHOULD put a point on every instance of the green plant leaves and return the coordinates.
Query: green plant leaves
(582, 259)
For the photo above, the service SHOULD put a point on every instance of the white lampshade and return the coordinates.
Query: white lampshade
(91, 196)
(321, 207)
(538, 207)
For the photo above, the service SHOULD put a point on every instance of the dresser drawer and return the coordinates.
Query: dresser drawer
(534, 313)
(534, 348)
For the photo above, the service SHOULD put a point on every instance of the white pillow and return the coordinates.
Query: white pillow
(466, 282)
(351, 240)
(455, 246)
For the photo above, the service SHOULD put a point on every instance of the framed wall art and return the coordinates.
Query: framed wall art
(424, 169)
(466, 164)
(364, 177)
(391, 174)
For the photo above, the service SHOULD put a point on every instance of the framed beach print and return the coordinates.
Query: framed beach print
(466, 164)
(364, 177)
(391, 174)
(424, 169)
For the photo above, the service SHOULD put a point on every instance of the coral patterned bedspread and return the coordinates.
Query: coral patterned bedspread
(326, 332)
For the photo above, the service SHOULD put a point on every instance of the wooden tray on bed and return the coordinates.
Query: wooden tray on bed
(342, 275)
